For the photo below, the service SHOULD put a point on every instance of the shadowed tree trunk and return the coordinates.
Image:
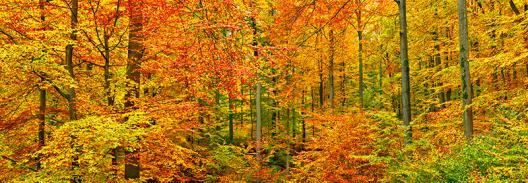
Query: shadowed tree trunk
(464, 68)
(74, 6)
(360, 55)
(42, 98)
(135, 53)
(42, 123)
(331, 69)
(230, 140)
(257, 98)
(406, 90)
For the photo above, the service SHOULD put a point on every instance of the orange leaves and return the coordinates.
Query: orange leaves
(344, 153)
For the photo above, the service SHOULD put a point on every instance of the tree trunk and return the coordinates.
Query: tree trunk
(230, 140)
(259, 126)
(241, 113)
(360, 59)
(406, 90)
(42, 97)
(343, 85)
(331, 70)
(109, 95)
(303, 121)
(251, 111)
(438, 62)
(321, 79)
(69, 59)
(74, 5)
(135, 52)
(464, 67)
(258, 98)
(42, 124)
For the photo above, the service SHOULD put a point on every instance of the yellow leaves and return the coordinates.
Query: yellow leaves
(344, 152)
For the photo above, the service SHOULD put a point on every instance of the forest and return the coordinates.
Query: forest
(263, 91)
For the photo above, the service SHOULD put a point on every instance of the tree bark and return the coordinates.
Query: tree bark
(258, 98)
(230, 140)
(360, 59)
(74, 6)
(42, 97)
(303, 121)
(464, 68)
(42, 123)
(406, 93)
(331, 69)
(69, 58)
(321, 79)
(135, 53)
(251, 111)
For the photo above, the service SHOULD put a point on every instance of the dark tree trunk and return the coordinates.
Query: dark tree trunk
(331, 70)
(74, 5)
(135, 53)
(464, 67)
(360, 59)
(42, 123)
(230, 140)
(406, 90)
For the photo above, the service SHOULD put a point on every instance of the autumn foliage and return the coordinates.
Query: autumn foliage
(176, 91)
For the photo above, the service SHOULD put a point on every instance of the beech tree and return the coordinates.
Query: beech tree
(263, 91)
(464, 69)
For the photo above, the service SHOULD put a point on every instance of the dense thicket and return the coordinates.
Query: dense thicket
(263, 90)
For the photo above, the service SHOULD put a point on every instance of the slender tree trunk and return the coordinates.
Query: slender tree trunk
(258, 98)
(303, 121)
(343, 85)
(360, 56)
(313, 110)
(109, 95)
(275, 111)
(230, 140)
(42, 97)
(135, 52)
(42, 123)
(74, 5)
(360, 59)
(331, 70)
(259, 127)
(321, 79)
(438, 61)
(242, 106)
(288, 143)
(381, 73)
(108, 90)
(69, 59)
(464, 67)
(406, 90)
(251, 111)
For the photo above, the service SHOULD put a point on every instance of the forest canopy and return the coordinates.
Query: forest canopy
(263, 91)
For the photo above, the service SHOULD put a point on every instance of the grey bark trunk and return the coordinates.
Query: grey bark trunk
(360, 59)
(331, 69)
(464, 68)
(230, 140)
(406, 91)
(257, 100)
